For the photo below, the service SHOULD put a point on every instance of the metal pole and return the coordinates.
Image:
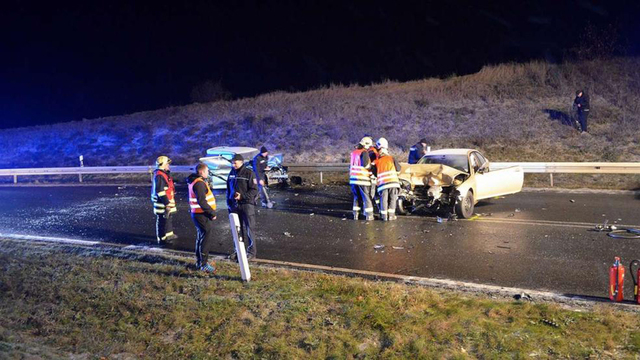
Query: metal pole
(81, 165)
(320, 177)
(15, 179)
(551, 179)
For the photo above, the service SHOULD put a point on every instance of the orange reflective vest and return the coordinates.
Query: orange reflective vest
(193, 199)
(387, 174)
(358, 174)
(169, 191)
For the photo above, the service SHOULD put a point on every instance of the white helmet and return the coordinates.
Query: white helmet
(367, 142)
(382, 143)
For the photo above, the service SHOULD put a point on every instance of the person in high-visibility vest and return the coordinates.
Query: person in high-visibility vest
(163, 199)
(203, 212)
(360, 179)
(387, 169)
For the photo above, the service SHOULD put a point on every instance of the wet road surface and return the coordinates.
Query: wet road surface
(536, 240)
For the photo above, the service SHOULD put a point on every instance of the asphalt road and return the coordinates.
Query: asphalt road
(536, 240)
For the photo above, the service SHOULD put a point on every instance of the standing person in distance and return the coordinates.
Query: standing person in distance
(581, 104)
(388, 182)
(163, 199)
(417, 151)
(242, 193)
(260, 166)
(203, 212)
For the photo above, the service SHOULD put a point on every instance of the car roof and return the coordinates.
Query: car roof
(450, 152)
(219, 150)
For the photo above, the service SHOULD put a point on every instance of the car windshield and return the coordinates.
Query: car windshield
(458, 162)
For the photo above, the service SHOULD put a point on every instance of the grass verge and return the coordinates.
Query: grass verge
(59, 301)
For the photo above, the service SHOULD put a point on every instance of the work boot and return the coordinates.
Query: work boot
(233, 256)
(384, 218)
(172, 237)
(355, 215)
(393, 217)
(370, 218)
(208, 268)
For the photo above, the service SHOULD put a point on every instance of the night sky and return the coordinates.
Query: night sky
(62, 61)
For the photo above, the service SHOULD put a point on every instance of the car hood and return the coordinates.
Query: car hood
(419, 174)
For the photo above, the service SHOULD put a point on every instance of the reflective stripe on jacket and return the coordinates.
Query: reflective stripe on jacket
(387, 173)
(162, 190)
(358, 174)
(193, 199)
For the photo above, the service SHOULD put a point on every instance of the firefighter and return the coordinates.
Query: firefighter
(203, 212)
(387, 169)
(417, 151)
(581, 105)
(163, 199)
(242, 193)
(373, 156)
(260, 165)
(360, 179)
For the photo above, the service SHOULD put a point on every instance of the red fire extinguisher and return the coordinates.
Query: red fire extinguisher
(616, 281)
(635, 277)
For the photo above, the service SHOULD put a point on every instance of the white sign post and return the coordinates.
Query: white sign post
(240, 249)
(81, 158)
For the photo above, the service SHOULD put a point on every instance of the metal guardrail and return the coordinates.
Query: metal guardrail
(528, 167)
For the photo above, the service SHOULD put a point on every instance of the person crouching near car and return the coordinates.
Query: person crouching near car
(387, 169)
(203, 212)
(242, 193)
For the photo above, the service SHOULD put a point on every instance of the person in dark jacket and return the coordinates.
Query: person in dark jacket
(203, 212)
(417, 151)
(163, 199)
(242, 193)
(260, 166)
(581, 105)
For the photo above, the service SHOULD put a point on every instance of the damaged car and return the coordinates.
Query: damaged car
(454, 180)
(218, 160)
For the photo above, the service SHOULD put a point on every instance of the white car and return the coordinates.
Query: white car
(218, 160)
(456, 179)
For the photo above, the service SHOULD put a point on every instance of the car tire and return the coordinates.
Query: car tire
(464, 207)
(402, 207)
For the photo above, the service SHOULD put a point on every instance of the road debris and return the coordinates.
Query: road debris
(398, 247)
(287, 234)
(504, 247)
(572, 200)
(378, 246)
(523, 296)
(517, 210)
(550, 323)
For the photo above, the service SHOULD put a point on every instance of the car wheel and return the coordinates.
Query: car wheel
(402, 207)
(464, 206)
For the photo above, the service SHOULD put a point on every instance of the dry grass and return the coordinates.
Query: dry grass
(67, 300)
(504, 110)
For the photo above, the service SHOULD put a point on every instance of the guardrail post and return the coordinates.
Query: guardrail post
(15, 179)
(81, 165)
(551, 179)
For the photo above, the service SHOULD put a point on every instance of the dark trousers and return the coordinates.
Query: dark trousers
(388, 201)
(204, 228)
(582, 117)
(247, 215)
(362, 199)
(164, 227)
(264, 195)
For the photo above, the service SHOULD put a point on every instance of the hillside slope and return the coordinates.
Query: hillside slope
(512, 112)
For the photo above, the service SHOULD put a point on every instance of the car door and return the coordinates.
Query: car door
(487, 182)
